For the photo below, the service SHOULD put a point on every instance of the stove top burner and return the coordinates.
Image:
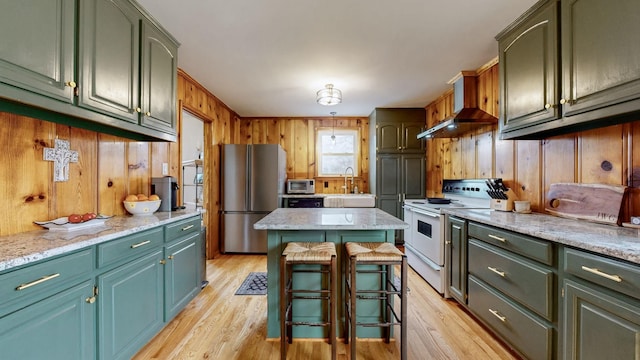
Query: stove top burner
(465, 193)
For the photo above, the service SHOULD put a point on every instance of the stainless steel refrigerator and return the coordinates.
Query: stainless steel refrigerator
(253, 182)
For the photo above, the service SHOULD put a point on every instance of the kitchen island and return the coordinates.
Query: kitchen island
(337, 225)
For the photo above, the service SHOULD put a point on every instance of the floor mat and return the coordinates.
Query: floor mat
(254, 284)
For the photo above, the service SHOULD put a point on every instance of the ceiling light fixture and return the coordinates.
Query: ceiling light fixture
(333, 127)
(329, 96)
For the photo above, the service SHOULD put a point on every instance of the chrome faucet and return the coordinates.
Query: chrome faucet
(345, 179)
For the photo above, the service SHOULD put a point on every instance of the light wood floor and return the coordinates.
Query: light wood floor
(220, 325)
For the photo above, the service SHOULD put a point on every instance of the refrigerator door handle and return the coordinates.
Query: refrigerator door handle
(248, 184)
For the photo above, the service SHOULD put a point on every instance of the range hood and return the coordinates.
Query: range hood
(467, 116)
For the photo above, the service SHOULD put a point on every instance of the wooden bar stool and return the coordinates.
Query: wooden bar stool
(384, 256)
(307, 253)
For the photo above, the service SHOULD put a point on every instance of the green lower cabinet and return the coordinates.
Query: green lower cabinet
(598, 325)
(530, 335)
(181, 274)
(130, 306)
(59, 327)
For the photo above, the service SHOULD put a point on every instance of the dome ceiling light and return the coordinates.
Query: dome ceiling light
(329, 96)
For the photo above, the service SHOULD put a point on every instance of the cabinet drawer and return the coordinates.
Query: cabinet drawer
(182, 228)
(613, 274)
(519, 278)
(524, 331)
(129, 246)
(35, 282)
(521, 244)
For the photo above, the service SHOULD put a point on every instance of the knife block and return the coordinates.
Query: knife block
(503, 204)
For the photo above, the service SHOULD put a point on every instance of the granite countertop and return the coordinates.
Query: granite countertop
(615, 241)
(23, 248)
(329, 219)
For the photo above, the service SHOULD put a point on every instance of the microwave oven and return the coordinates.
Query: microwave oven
(301, 186)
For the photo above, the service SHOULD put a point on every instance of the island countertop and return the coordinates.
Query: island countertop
(329, 219)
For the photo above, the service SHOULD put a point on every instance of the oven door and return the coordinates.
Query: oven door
(427, 233)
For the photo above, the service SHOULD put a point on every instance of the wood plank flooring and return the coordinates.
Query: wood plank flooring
(220, 325)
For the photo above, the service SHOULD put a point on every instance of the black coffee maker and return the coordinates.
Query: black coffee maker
(167, 189)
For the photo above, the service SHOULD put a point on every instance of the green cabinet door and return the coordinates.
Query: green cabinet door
(456, 241)
(38, 47)
(59, 327)
(389, 189)
(109, 58)
(600, 57)
(130, 306)
(159, 79)
(181, 274)
(399, 177)
(396, 130)
(598, 325)
(529, 73)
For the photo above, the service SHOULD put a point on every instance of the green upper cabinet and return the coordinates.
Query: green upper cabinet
(159, 79)
(529, 70)
(396, 130)
(101, 65)
(600, 58)
(39, 58)
(568, 65)
(110, 58)
(128, 66)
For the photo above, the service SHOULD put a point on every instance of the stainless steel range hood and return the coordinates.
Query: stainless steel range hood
(467, 116)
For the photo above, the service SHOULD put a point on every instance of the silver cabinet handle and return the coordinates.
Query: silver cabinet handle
(36, 282)
(615, 278)
(496, 271)
(501, 239)
(140, 244)
(497, 314)
(187, 228)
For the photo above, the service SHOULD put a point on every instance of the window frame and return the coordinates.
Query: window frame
(319, 153)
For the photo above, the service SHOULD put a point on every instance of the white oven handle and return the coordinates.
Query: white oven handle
(427, 213)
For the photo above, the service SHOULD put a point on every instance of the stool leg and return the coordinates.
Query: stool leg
(347, 309)
(283, 307)
(403, 309)
(333, 285)
(352, 298)
(290, 302)
(388, 301)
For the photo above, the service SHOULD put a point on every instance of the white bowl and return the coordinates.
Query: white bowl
(142, 208)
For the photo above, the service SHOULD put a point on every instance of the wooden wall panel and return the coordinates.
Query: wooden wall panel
(484, 155)
(112, 174)
(559, 162)
(528, 183)
(26, 180)
(78, 194)
(601, 156)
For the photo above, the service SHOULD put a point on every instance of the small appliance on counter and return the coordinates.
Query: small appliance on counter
(167, 189)
(301, 186)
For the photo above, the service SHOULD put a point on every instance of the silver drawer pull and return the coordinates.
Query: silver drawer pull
(36, 282)
(140, 244)
(615, 278)
(497, 314)
(187, 228)
(496, 271)
(501, 239)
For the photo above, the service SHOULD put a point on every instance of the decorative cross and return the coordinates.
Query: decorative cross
(61, 157)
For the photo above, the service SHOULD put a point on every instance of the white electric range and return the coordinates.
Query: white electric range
(424, 241)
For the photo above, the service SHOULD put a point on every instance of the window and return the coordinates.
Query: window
(336, 155)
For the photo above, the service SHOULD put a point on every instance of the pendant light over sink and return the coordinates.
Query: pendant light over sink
(333, 127)
(329, 96)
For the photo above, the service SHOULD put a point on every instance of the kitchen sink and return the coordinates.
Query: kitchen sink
(350, 201)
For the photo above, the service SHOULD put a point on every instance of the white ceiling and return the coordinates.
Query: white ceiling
(269, 57)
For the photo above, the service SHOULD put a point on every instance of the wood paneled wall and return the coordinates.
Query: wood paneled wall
(609, 155)
(297, 136)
